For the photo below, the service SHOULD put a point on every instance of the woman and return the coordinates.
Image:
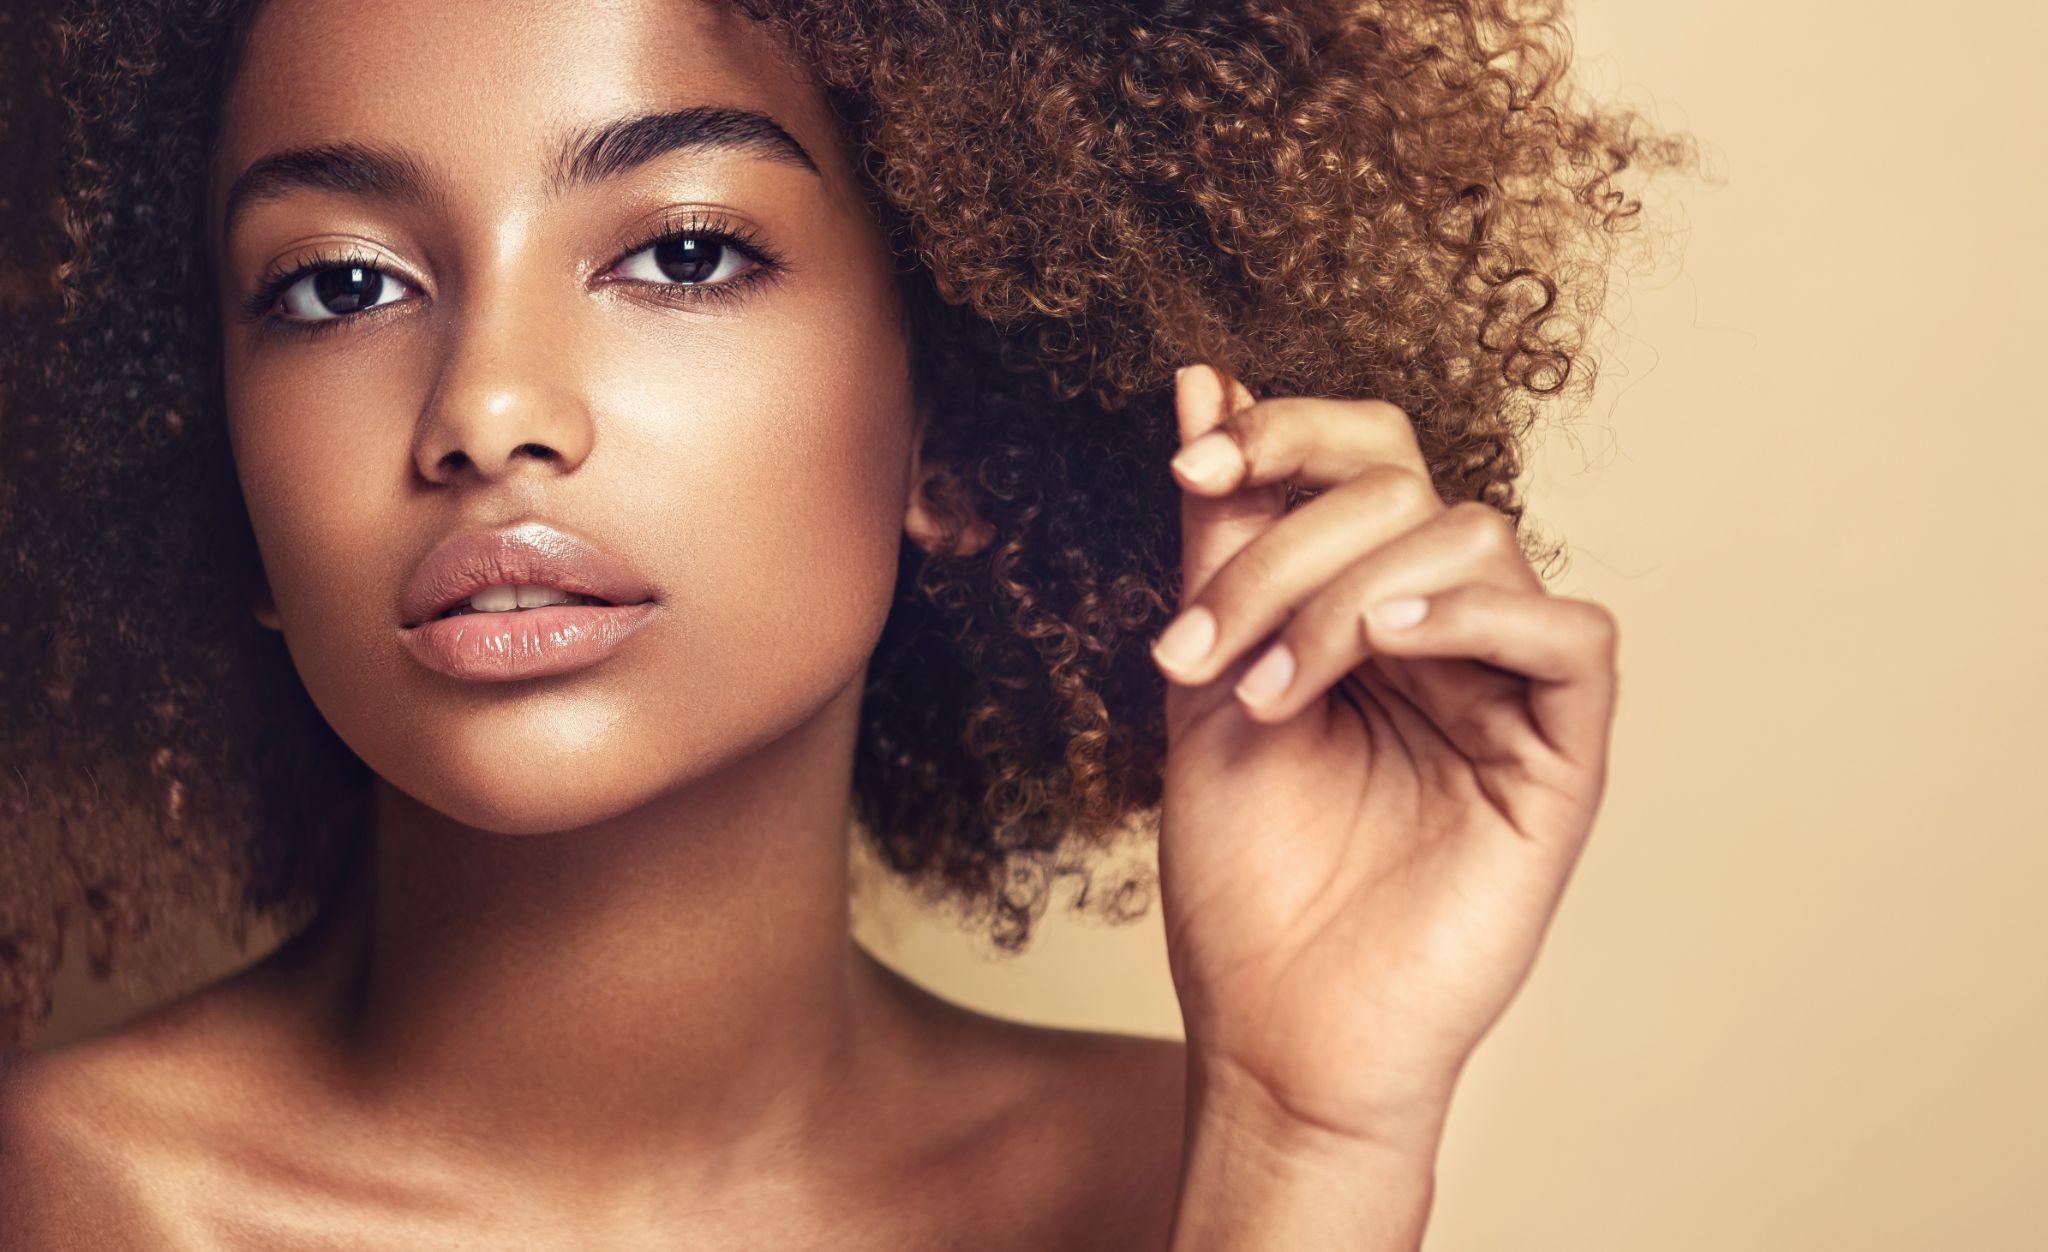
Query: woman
(491, 481)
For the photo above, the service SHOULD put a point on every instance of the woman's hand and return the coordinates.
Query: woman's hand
(1386, 744)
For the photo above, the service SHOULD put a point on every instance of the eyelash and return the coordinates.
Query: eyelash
(262, 304)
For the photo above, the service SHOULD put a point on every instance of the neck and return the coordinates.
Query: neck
(679, 978)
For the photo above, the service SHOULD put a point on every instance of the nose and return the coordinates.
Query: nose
(505, 394)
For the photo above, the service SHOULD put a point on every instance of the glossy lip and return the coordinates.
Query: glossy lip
(525, 643)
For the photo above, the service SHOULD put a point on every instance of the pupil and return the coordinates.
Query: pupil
(347, 289)
(687, 260)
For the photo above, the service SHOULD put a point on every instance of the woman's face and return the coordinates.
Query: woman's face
(490, 336)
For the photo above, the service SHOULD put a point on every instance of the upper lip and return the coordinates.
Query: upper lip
(530, 553)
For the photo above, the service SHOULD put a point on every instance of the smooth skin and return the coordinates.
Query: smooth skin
(1359, 858)
(593, 986)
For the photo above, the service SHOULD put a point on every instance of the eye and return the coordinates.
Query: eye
(337, 291)
(695, 259)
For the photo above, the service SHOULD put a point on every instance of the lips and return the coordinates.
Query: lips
(520, 643)
(530, 554)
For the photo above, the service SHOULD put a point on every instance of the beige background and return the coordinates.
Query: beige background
(1797, 997)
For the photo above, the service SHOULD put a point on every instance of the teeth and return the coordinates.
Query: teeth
(535, 597)
(495, 599)
(506, 597)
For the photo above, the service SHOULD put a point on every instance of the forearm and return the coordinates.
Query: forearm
(1255, 1176)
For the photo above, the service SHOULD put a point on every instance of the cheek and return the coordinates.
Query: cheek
(773, 471)
(322, 452)
(323, 468)
(777, 463)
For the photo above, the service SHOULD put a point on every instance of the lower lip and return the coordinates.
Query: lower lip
(524, 643)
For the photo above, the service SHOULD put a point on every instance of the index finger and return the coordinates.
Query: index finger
(1310, 441)
(1214, 527)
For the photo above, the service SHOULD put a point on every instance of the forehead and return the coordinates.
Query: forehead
(484, 90)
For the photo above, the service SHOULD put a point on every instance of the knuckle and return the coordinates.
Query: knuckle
(1390, 415)
(1409, 492)
(1397, 428)
(1602, 627)
(1486, 528)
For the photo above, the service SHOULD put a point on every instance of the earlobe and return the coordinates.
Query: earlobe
(939, 517)
(265, 610)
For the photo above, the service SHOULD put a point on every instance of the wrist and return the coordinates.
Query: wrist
(1257, 1172)
(1395, 1117)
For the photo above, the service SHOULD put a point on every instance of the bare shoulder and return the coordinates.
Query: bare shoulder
(1056, 1137)
(1109, 1109)
(73, 1151)
(102, 1139)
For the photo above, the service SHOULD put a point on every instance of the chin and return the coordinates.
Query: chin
(571, 751)
(540, 764)
(514, 811)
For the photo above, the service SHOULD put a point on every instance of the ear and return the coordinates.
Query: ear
(263, 606)
(939, 518)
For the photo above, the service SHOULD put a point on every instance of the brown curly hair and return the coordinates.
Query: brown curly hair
(1404, 199)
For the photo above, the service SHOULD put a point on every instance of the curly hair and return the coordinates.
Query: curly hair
(1405, 199)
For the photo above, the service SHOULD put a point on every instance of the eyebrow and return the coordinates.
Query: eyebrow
(587, 156)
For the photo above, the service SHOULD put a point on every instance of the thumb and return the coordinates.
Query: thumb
(1215, 528)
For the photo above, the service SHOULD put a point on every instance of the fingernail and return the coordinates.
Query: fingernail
(1266, 681)
(1211, 461)
(1187, 640)
(1399, 614)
